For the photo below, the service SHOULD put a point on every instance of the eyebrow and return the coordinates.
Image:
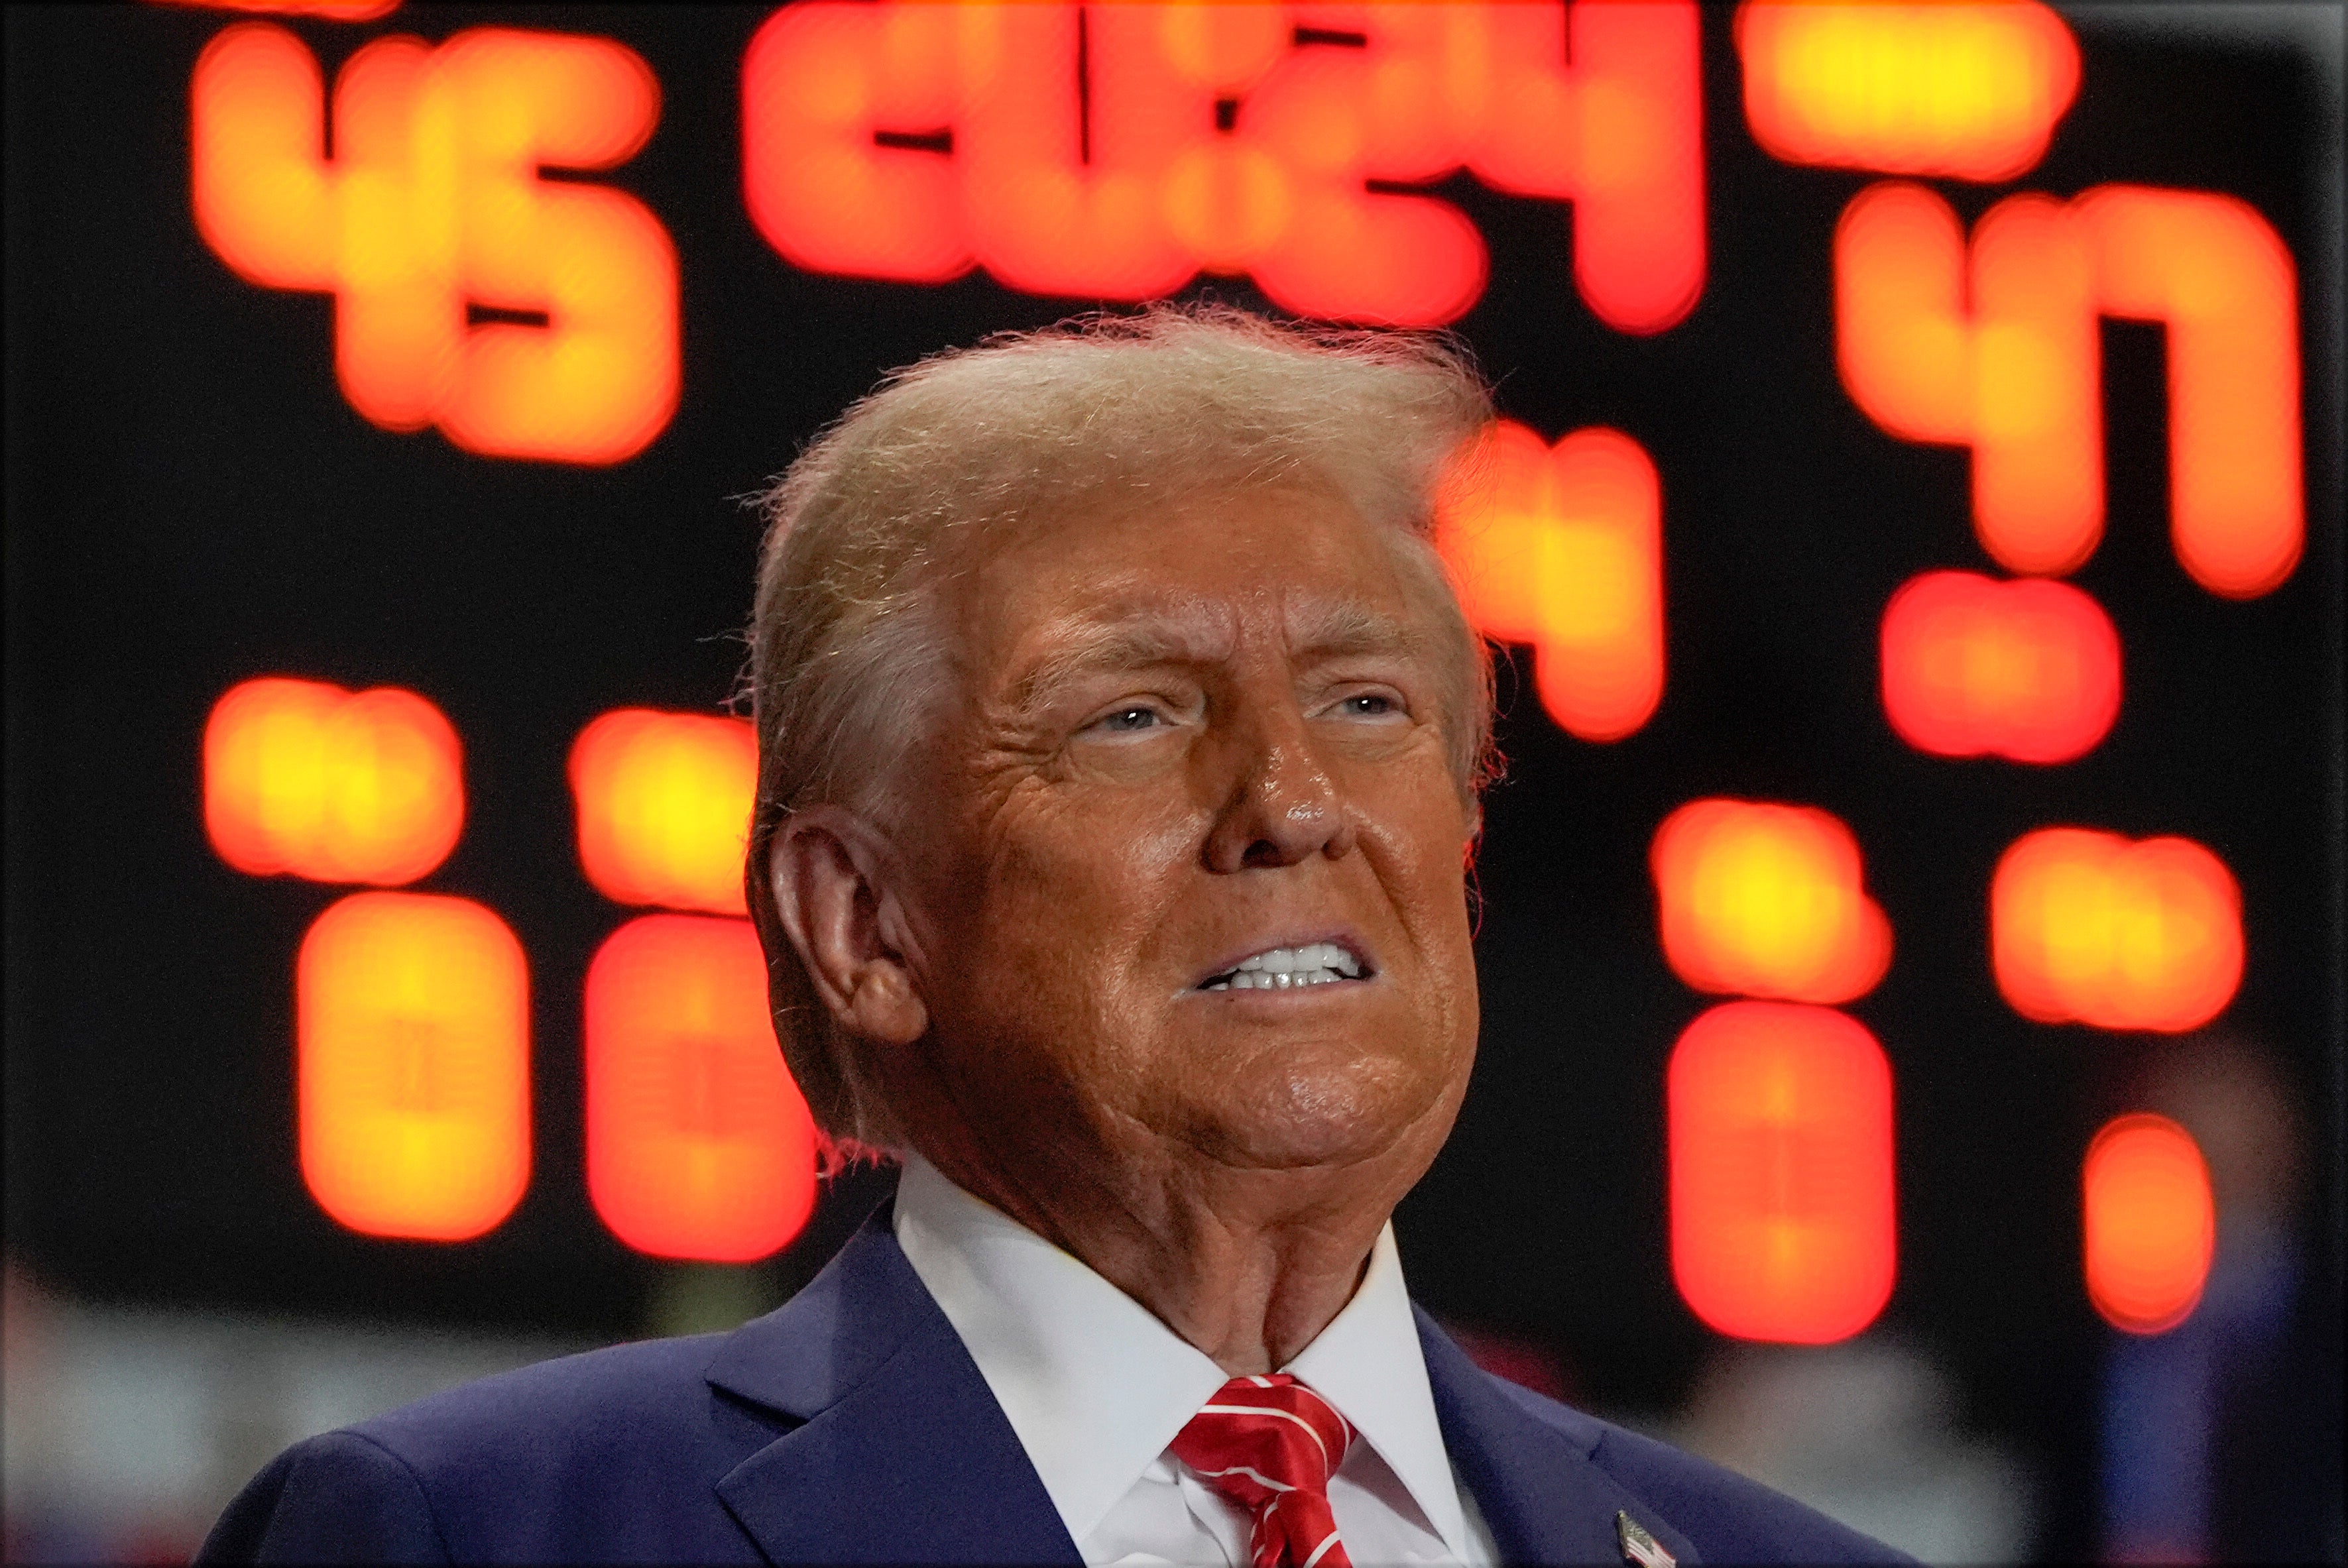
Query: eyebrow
(1316, 630)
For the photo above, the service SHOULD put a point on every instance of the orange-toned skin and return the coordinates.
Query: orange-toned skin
(1093, 838)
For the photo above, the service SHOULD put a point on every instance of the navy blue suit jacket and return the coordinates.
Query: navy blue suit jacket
(850, 1425)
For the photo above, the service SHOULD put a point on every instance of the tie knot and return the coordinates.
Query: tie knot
(1269, 1444)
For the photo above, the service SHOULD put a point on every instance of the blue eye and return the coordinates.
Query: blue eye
(1369, 704)
(1125, 721)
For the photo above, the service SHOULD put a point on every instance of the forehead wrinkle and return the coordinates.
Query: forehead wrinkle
(1335, 627)
(1131, 637)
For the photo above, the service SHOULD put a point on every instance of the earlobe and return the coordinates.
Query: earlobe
(885, 1007)
(842, 916)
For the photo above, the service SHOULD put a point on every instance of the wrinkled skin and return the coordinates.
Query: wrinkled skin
(1182, 735)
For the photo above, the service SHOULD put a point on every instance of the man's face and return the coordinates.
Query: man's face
(1194, 873)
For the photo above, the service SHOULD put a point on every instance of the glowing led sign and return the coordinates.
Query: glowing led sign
(1114, 151)
(664, 802)
(305, 779)
(1782, 1202)
(1968, 91)
(1993, 347)
(1971, 666)
(431, 206)
(1561, 547)
(1766, 900)
(325, 10)
(2150, 1224)
(414, 1065)
(2095, 929)
(698, 1143)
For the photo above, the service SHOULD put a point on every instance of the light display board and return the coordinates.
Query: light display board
(1911, 535)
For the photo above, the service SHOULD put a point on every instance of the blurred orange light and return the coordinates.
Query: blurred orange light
(1969, 90)
(2016, 376)
(1618, 132)
(664, 805)
(1766, 900)
(2095, 929)
(326, 10)
(698, 1143)
(1561, 547)
(1994, 346)
(413, 1044)
(2151, 1225)
(304, 779)
(1114, 151)
(431, 205)
(1782, 1200)
(2220, 279)
(2027, 669)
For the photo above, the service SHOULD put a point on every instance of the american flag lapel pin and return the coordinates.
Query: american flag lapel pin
(1638, 1548)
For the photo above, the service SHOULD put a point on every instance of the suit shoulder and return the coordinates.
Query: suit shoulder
(620, 1386)
(613, 1454)
(337, 1497)
(1730, 1518)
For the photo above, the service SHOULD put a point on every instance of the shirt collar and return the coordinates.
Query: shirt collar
(1096, 1385)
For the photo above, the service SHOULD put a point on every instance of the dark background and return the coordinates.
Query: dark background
(189, 502)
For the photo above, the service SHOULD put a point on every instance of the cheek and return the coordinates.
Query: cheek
(1418, 838)
(1064, 894)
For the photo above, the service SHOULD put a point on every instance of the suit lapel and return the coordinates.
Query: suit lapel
(902, 1455)
(1545, 1497)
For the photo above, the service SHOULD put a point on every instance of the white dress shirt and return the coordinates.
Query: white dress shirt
(1096, 1387)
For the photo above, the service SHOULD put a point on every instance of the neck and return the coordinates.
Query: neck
(1248, 1265)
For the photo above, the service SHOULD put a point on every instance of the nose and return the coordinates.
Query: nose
(1279, 805)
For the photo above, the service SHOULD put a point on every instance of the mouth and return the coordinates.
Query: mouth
(1291, 968)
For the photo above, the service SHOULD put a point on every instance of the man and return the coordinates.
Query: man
(1120, 740)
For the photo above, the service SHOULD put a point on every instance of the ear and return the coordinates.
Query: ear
(840, 908)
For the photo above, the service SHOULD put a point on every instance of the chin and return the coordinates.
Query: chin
(1305, 1115)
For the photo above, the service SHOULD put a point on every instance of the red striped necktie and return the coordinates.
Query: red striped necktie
(1271, 1444)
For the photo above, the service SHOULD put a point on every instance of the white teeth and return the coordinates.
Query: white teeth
(1282, 968)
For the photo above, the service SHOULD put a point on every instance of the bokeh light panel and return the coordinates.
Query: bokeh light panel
(325, 10)
(2028, 669)
(1968, 91)
(413, 1030)
(2215, 273)
(1783, 1212)
(1084, 151)
(698, 1142)
(663, 807)
(2149, 1224)
(2093, 927)
(1994, 345)
(304, 779)
(432, 205)
(1766, 900)
(1562, 548)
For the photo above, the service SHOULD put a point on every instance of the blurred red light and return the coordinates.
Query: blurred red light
(909, 141)
(1766, 900)
(302, 778)
(414, 1047)
(2026, 669)
(1782, 1196)
(1971, 90)
(1995, 347)
(2217, 276)
(325, 10)
(1562, 549)
(698, 1142)
(431, 204)
(2150, 1224)
(2095, 929)
(664, 802)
